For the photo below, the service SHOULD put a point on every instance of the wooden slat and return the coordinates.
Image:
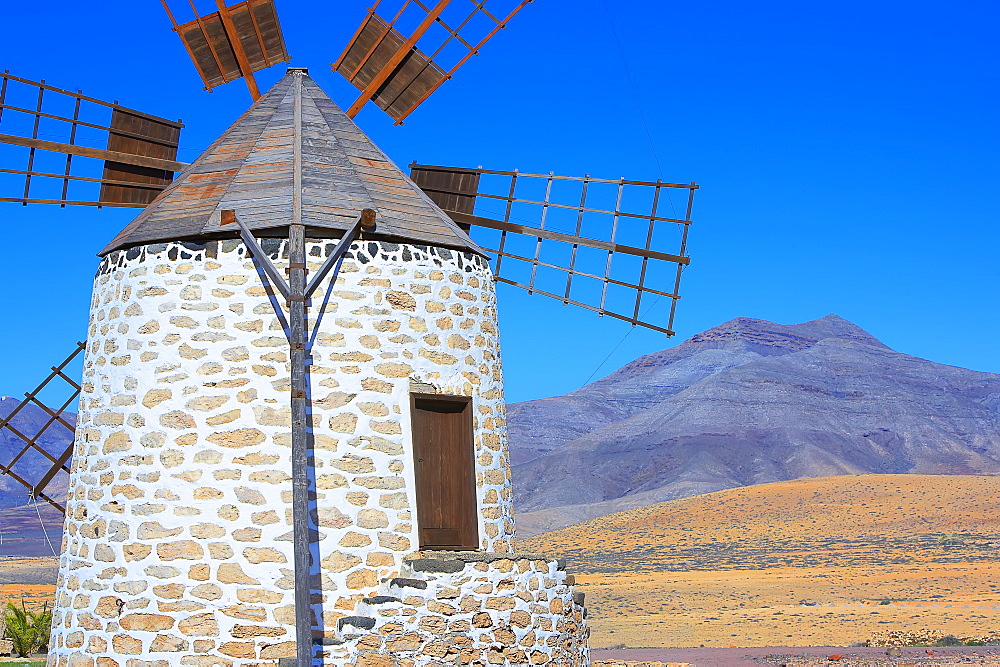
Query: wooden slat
(452, 190)
(136, 135)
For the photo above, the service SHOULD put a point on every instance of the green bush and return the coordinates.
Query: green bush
(26, 630)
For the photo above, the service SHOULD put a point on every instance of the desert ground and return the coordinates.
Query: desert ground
(817, 562)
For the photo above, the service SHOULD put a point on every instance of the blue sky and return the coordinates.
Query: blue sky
(847, 154)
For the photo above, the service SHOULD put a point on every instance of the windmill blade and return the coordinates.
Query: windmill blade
(47, 426)
(234, 42)
(47, 154)
(603, 251)
(390, 70)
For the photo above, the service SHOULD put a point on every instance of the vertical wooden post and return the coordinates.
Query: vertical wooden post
(300, 443)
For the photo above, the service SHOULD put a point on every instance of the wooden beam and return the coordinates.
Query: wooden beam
(464, 218)
(397, 58)
(241, 56)
(113, 156)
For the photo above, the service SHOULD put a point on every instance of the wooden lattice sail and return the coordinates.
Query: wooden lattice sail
(130, 154)
(602, 240)
(233, 42)
(392, 70)
(58, 426)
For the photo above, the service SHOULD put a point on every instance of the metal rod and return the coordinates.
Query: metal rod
(26, 484)
(452, 32)
(645, 260)
(3, 95)
(98, 204)
(331, 261)
(237, 45)
(254, 247)
(685, 186)
(465, 218)
(60, 464)
(588, 307)
(611, 251)
(541, 226)
(390, 66)
(74, 121)
(506, 218)
(638, 216)
(7, 75)
(34, 135)
(680, 269)
(71, 177)
(72, 140)
(80, 347)
(579, 228)
(583, 273)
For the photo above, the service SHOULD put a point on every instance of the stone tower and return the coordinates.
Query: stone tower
(177, 547)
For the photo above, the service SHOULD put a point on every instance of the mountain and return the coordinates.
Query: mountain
(32, 465)
(748, 402)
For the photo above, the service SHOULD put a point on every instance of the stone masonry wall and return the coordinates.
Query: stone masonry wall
(177, 543)
(470, 609)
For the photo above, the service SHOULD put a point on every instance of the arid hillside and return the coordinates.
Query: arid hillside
(822, 561)
(748, 402)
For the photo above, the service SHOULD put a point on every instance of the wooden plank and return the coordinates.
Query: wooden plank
(141, 161)
(444, 471)
(136, 135)
(452, 190)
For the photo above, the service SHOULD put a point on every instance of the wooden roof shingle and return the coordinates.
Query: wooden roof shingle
(250, 169)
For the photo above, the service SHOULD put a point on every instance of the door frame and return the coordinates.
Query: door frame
(469, 428)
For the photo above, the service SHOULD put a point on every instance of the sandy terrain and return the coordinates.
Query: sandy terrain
(826, 561)
(30, 579)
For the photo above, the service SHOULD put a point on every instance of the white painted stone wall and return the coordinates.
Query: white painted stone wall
(177, 544)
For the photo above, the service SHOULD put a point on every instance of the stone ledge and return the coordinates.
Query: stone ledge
(477, 557)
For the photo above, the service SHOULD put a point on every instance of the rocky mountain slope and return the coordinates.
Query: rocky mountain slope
(748, 402)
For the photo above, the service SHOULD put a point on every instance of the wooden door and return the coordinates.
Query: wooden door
(445, 472)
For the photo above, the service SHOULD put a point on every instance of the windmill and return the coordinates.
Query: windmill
(259, 197)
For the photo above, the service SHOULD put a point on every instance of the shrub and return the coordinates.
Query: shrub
(949, 640)
(26, 630)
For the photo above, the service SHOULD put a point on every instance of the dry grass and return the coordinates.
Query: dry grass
(825, 561)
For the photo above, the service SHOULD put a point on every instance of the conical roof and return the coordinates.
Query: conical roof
(254, 168)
